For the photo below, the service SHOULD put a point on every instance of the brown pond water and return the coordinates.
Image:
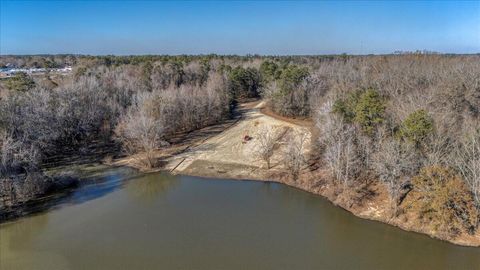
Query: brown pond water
(160, 221)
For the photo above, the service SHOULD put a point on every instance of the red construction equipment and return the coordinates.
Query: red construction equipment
(246, 138)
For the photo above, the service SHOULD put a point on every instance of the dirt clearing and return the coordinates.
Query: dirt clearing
(234, 152)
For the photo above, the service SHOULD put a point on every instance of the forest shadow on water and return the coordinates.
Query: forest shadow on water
(94, 181)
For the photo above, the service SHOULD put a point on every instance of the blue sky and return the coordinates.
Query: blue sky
(278, 28)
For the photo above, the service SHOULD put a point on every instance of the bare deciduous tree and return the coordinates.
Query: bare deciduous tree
(294, 156)
(267, 139)
(438, 150)
(339, 148)
(139, 130)
(16, 156)
(468, 163)
(394, 163)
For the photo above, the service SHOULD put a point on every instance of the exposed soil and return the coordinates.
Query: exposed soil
(305, 122)
(220, 151)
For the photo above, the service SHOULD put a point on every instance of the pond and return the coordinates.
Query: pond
(159, 221)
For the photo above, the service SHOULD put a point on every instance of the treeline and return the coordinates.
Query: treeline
(60, 60)
(37, 61)
(411, 122)
(140, 106)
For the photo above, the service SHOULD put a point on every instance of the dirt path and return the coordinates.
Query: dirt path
(228, 155)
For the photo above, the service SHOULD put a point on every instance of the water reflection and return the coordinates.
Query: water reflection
(98, 183)
(159, 221)
(95, 181)
(149, 187)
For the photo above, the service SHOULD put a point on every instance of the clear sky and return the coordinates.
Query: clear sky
(154, 27)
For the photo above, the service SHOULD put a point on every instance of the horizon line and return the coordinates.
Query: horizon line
(248, 54)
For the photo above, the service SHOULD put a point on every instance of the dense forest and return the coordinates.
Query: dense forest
(411, 122)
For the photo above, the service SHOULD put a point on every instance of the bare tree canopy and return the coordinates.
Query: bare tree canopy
(267, 139)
